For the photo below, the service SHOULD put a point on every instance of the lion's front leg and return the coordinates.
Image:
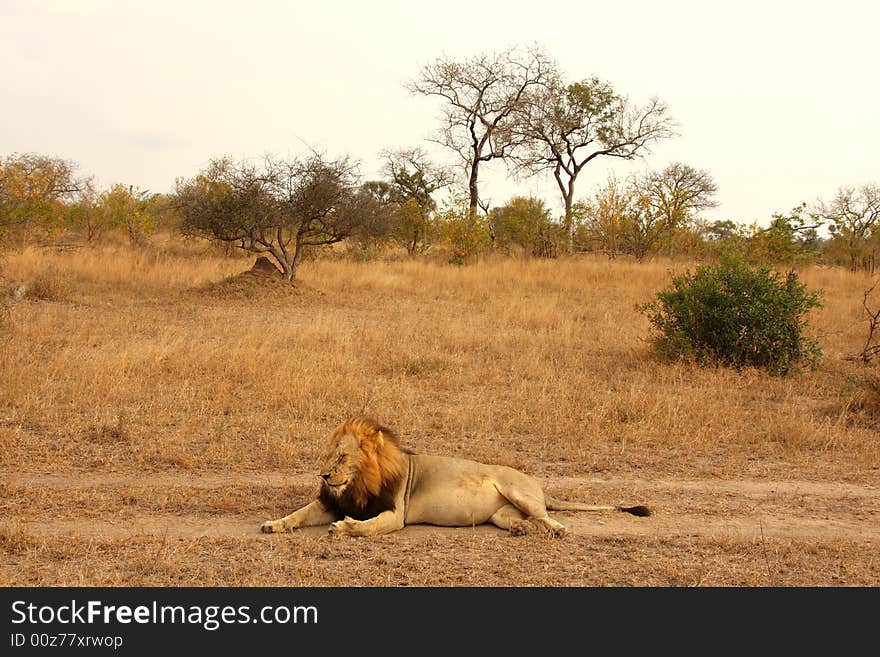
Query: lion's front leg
(311, 514)
(385, 522)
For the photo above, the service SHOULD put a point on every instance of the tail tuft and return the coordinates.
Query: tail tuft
(638, 510)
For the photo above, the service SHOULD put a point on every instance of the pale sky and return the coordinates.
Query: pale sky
(777, 100)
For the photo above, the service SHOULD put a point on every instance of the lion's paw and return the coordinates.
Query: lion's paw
(272, 527)
(521, 528)
(344, 526)
(558, 532)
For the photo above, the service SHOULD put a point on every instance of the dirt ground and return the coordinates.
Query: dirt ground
(171, 528)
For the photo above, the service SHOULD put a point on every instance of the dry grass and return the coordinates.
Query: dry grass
(149, 363)
(50, 285)
(157, 269)
(538, 361)
(302, 560)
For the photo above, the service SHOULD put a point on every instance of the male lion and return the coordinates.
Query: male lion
(371, 486)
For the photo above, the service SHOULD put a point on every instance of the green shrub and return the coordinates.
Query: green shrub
(465, 235)
(730, 314)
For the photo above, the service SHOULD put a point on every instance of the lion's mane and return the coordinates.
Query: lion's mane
(382, 467)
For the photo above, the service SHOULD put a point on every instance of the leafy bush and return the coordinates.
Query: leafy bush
(730, 314)
(465, 235)
(524, 224)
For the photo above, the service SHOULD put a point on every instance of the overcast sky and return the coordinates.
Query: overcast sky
(778, 100)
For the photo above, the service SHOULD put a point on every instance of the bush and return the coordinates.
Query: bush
(730, 314)
(524, 224)
(466, 236)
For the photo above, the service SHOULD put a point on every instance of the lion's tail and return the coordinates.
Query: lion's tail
(562, 505)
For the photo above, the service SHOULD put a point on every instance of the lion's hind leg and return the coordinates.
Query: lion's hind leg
(525, 509)
(512, 519)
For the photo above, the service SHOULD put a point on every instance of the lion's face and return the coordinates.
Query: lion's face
(362, 469)
(340, 464)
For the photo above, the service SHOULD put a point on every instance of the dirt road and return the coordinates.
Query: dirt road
(162, 527)
(713, 509)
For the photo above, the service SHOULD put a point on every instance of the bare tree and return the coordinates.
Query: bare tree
(871, 349)
(279, 208)
(853, 216)
(84, 213)
(565, 127)
(480, 97)
(414, 179)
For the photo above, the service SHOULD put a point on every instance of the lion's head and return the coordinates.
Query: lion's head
(362, 469)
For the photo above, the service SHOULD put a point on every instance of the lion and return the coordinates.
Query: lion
(370, 485)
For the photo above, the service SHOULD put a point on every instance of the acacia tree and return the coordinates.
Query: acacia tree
(677, 191)
(853, 216)
(602, 218)
(279, 208)
(34, 190)
(668, 199)
(481, 95)
(649, 207)
(413, 181)
(565, 127)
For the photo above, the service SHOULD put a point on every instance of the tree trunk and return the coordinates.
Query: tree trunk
(294, 264)
(473, 190)
(568, 223)
(567, 190)
(133, 235)
(287, 265)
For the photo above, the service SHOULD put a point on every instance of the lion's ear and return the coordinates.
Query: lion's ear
(371, 443)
